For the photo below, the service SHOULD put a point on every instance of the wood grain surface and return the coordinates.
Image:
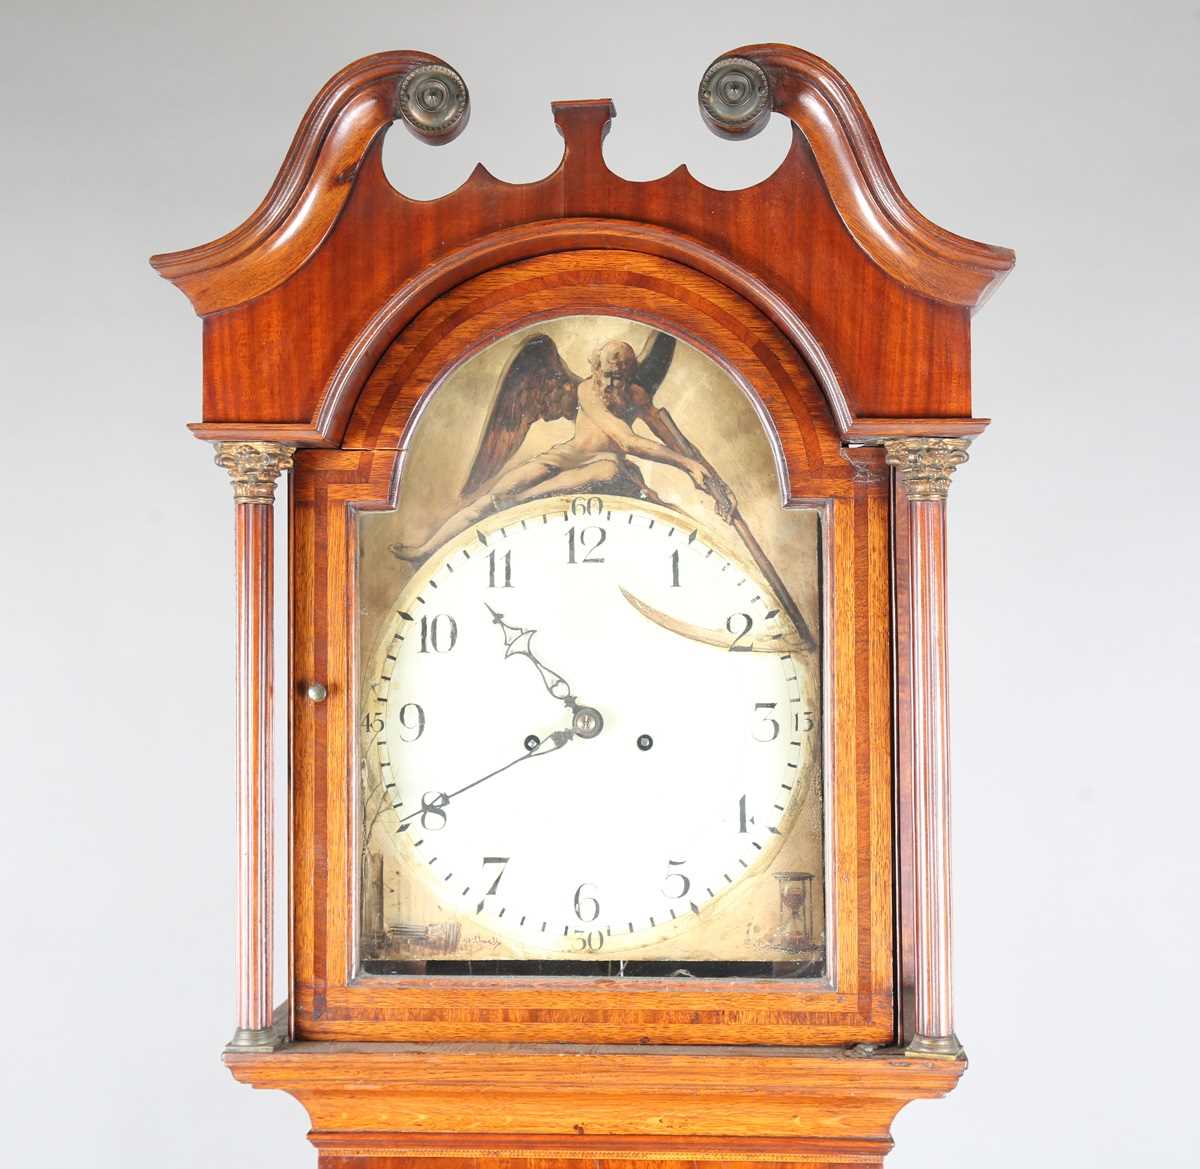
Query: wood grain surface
(328, 317)
(885, 293)
(396, 1104)
(330, 1004)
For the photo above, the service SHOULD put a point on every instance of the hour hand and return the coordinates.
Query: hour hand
(518, 643)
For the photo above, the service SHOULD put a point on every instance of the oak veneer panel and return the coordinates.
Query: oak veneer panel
(611, 1106)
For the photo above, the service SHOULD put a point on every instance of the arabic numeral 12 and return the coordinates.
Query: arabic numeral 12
(589, 540)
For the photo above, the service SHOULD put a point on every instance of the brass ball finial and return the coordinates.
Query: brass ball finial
(735, 97)
(433, 101)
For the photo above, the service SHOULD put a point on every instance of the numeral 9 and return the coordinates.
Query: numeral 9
(412, 719)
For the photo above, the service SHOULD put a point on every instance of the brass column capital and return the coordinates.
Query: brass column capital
(925, 464)
(254, 467)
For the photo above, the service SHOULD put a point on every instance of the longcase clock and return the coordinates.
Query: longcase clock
(618, 760)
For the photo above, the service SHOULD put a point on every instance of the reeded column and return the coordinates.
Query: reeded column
(924, 467)
(254, 467)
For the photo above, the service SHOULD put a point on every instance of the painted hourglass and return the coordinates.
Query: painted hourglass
(795, 931)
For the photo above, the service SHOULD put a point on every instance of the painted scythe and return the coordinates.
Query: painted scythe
(664, 428)
(776, 643)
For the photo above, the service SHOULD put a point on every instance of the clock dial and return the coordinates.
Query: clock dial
(589, 723)
(590, 687)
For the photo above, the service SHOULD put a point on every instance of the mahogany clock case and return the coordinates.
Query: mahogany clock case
(331, 317)
(856, 1003)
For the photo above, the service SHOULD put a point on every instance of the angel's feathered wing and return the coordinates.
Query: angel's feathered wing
(654, 361)
(536, 385)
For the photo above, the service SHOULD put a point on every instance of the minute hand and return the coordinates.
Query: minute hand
(549, 744)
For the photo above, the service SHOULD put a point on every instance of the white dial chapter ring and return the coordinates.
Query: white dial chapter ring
(711, 773)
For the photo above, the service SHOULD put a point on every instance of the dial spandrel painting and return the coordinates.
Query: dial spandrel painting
(590, 732)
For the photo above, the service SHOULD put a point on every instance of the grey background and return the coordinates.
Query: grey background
(1065, 130)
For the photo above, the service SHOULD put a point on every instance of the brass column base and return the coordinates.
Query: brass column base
(270, 1038)
(264, 1039)
(936, 1046)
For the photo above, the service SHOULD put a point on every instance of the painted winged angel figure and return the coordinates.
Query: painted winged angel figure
(537, 385)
